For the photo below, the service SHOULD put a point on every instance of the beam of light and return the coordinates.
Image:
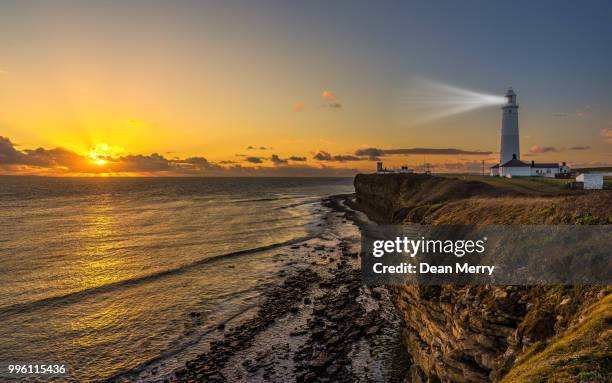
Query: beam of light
(425, 100)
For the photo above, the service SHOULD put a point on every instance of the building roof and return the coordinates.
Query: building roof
(494, 166)
(550, 165)
(514, 163)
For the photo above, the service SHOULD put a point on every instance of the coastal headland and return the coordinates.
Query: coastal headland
(322, 324)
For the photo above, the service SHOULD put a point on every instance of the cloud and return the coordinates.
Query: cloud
(606, 135)
(330, 100)
(8, 153)
(325, 156)
(297, 159)
(250, 147)
(3, 72)
(52, 158)
(142, 163)
(580, 148)
(537, 149)
(329, 95)
(254, 160)
(372, 153)
(349, 157)
(278, 161)
(542, 149)
(375, 152)
(60, 161)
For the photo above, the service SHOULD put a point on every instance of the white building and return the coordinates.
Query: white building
(591, 180)
(514, 168)
(518, 168)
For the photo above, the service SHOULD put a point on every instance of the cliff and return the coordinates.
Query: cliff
(496, 333)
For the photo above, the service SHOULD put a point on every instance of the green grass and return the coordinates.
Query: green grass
(528, 185)
(580, 355)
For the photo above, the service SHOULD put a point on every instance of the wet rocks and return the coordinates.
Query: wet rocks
(278, 302)
(337, 325)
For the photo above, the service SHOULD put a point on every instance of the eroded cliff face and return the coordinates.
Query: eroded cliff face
(495, 333)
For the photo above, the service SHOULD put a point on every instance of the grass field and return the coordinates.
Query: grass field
(527, 185)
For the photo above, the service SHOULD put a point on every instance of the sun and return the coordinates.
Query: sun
(102, 153)
(100, 161)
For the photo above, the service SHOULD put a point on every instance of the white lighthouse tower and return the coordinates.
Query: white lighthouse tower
(510, 132)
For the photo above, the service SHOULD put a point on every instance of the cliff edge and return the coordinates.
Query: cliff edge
(496, 333)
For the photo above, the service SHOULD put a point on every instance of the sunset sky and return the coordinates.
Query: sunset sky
(295, 88)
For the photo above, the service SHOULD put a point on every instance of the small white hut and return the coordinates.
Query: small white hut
(591, 181)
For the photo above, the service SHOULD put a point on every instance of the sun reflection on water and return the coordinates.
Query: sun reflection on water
(101, 262)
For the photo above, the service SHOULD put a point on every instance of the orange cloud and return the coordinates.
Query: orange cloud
(542, 149)
(330, 100)
(103, 161)
(329, 95)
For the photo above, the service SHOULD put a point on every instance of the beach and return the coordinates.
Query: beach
(318, 324)
(156, 280)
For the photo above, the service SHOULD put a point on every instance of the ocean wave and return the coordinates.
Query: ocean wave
(267, 199)
(78, 295)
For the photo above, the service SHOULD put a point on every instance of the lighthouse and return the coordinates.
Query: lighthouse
(510, 164)
(509, 132)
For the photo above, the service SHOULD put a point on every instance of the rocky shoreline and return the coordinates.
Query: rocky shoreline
(318, 325)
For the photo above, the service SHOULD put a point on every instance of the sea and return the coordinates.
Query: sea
(108, 275)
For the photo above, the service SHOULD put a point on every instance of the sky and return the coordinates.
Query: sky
(297, 88)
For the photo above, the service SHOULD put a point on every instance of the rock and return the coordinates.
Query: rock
(320, 361)
(332, 370)
(318, 332)
(318, 309)
(372, 330)
(376, 293)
